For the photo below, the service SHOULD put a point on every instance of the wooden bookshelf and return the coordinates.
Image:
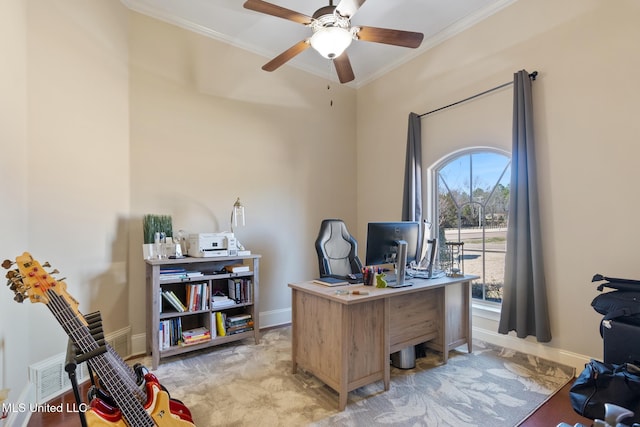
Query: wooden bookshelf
(194, 281)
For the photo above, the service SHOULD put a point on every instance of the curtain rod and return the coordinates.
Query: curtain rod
(532, 76)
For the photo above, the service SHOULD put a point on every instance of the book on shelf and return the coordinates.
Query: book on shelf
(174, 301)
(197, 297)
(220, 324)
(178, 274)
(219, 302)
(238, 319)
(195, 340)
(239, 329)
(240, 290)
(236, 268)
(172, 270)
(214, 328)
(195, 336)
(239, 323)
(195, 332)
(170, 333)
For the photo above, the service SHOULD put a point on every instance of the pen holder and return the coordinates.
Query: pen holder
(368, 276)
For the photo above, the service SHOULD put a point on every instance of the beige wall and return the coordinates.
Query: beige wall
(14, 319)
(586, 130)
(208, 126)
(78, 182)
(65, 165)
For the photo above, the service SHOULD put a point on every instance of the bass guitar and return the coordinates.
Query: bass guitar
(148, 406)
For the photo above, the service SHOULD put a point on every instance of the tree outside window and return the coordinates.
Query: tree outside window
(472, 206)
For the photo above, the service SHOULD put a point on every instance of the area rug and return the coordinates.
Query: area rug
(244, 384)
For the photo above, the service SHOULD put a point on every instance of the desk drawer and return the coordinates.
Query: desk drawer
(414, 317)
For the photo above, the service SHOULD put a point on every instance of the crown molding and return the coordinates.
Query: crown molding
(145, 8)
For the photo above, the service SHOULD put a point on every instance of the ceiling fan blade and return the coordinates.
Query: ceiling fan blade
(343, 68)
(394, 37)
(348, 8)
(278, 11)
(286, 55)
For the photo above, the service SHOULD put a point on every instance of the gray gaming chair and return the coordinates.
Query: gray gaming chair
(337, 250)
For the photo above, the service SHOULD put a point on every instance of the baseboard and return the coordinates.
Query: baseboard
(568, 358)
(139, 343)
(272, 318)
(19, 417)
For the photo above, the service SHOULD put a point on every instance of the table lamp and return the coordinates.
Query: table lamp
(237, 218)
(237, 214)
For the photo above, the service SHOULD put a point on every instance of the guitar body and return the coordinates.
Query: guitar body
(96, 420)
(161, 411)
(164, 411)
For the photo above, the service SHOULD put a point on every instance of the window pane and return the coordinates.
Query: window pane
(473, 204)
(455, 176)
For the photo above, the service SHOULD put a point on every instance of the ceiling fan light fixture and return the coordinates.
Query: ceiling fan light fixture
(330, 42)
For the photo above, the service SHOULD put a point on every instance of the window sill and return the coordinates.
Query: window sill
(485, 310)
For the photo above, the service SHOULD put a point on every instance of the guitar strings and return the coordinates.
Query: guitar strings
(81, 336)
(86, 343)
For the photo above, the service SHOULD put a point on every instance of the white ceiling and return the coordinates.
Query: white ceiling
(230, 22)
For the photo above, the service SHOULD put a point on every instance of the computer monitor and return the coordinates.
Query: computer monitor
(386, 242)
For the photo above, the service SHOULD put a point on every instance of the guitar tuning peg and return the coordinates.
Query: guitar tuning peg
(46, 264)
(18, 298)
(7, 263)
(11, 274)
(55, 271)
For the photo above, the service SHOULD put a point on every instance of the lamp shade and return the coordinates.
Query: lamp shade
(330, 42)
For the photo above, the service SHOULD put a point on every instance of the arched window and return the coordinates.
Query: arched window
(471, 205)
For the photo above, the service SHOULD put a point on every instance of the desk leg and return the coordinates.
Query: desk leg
(467, 307)
(444, 336)
(347, 334)
(294, 332)
(456, 318)
(386, 344)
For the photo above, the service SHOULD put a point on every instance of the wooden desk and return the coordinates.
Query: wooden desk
(346, 340)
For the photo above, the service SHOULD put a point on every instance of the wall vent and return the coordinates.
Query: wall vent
(50, 378)
(120, 341)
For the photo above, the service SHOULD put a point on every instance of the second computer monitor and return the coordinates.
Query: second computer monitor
(383, 238)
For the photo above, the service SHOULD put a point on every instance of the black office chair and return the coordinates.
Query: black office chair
(337, 250)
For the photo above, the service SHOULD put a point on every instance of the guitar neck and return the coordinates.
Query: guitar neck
(111, 369)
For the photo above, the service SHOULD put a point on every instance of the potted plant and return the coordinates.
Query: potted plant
(156, 229)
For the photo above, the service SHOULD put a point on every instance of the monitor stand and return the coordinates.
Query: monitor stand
(401, 267)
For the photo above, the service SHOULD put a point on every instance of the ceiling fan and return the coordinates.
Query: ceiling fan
(332, 33)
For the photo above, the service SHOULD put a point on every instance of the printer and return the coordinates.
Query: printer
(204, 245)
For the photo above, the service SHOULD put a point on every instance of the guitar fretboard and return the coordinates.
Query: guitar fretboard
(111, 369)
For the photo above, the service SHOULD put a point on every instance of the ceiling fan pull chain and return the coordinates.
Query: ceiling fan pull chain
(329, 66)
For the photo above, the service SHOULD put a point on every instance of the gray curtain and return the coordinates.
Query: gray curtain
(524, 304)
(412, 196)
